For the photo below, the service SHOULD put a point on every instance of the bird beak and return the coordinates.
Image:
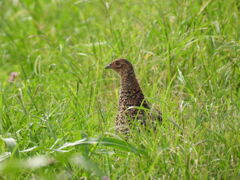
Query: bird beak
(108, 66)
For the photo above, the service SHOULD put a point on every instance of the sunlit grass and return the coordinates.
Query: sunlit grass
(186, 57)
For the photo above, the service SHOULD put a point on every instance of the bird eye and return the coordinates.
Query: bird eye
(117, 63)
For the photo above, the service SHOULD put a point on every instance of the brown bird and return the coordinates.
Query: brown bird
(132, 104)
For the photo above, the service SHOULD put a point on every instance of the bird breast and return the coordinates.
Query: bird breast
(130, 98)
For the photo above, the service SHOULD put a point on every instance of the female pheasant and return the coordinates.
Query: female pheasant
(131, 100)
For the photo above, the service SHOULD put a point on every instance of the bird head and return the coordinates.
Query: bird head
(121, 66)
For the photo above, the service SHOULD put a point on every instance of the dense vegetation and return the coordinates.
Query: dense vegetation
(186, 57)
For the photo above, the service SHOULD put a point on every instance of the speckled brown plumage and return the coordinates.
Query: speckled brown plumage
(131, 97)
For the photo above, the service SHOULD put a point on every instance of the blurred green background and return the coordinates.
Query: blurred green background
(186, 57)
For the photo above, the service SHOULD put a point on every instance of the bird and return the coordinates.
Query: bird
(132, 105)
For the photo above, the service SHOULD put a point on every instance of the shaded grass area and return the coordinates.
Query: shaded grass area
(185, 54)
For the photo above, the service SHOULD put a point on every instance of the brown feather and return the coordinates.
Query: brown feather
(131, 97)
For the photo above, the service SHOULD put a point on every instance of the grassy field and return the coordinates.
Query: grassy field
(57, 118)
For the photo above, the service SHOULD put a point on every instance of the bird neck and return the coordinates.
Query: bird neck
(129, 82)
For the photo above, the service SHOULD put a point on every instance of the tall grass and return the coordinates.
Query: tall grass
(57, 118)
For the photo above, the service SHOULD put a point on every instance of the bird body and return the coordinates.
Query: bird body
(131, 100)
